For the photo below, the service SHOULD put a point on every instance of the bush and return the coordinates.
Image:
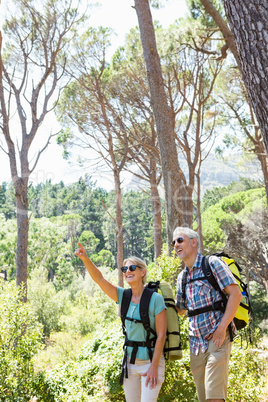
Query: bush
(60, 348)
(91, 308)
(79, 321)
(47, 304)
(20, 339)
(179, 384)
(259, 306)
(104, 258)
(246, 375)
(95, 376)
(166, 268)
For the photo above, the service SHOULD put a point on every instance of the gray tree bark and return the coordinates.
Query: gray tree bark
(175, 194)
(156, 208)
(119, 228)
(248, 20)
(225, 30)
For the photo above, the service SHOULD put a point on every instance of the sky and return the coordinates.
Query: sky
(121, 16)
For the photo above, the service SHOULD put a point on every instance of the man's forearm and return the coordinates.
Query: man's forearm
(231, 309)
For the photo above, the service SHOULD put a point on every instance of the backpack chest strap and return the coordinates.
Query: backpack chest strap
(133, 320)
(218, 306)
(149, 344)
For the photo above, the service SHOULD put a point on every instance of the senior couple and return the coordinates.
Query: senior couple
(210, 343)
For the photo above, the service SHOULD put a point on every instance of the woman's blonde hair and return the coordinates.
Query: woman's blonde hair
(140, 264)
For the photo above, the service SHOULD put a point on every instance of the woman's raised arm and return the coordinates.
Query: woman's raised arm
(95, 273)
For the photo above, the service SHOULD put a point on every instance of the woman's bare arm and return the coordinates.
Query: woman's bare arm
(96, 275)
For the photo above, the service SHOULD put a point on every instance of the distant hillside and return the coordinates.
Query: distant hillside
(215, 172)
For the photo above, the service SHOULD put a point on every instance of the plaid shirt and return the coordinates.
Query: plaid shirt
(201, 294)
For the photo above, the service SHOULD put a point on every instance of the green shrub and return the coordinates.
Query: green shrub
(41, 388)
(166, 268)
(246, 375)
(60, 348)
(88, 313)
(104, 258)
(259, 306)
(20, 339)
(95, 376)
(179, 383)
(79, 321)
(47, 304)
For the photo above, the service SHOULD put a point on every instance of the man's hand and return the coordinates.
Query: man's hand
(217, 336)
(180, 311)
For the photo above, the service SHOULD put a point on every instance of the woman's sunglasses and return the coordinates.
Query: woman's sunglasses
(179, 240)
(131, 268)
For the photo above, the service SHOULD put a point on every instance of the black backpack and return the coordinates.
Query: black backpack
(172, 351)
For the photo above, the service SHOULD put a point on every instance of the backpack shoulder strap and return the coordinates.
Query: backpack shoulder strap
(125, 305)
(209, 274)
(144, 313)
(183, 285)
(144, 307)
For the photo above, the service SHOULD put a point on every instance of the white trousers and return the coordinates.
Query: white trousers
(134, 385)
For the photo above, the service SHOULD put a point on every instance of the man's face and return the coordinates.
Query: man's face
(183, 246)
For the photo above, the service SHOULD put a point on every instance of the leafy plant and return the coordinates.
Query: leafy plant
(246, 375)
(166, 268)
(20, 339)
(47, 304)
(96, 374)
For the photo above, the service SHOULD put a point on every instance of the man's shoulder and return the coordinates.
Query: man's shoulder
(198, 260)
(221, 269)
(216, 262)
(182, 273)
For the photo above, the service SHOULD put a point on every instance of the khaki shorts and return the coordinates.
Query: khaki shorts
(210, 371)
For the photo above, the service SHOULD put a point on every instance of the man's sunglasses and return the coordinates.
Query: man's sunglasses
(179, 240)
(131, 268)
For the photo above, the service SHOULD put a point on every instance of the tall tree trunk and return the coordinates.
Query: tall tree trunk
(21, 192)
(227, 34)
(248, 20)
(198, 213)
(262, 157)
(156, 207)
(263, 161)
(174, 190)
(119, 228)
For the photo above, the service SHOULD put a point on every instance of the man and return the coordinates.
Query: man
(210, 344)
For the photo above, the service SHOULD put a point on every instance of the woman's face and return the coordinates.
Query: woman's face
(133, 276)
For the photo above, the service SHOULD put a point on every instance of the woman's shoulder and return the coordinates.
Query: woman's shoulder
(157, 296)
(157, 299)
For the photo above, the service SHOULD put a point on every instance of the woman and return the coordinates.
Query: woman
(145, 377)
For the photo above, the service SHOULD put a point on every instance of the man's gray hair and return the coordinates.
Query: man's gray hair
(192, 234)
